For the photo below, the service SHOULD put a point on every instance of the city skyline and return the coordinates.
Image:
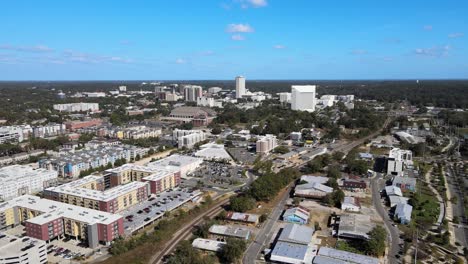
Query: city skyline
(217, 40)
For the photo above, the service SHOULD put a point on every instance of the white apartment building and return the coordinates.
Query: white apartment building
(22, 250)
(17, 180)
(208, 102)
(95, 94)
(240, 86)
(192, 92)
(49, 130)
(214, 90)
(284, 98)
(77, 107)
(187, 138)
(303, 98)
(15, 133)
(398, 161)
(266, 143)
(122, 88)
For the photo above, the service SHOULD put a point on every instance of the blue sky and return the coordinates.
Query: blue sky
(219, 39)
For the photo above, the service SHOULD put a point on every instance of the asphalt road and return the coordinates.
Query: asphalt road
(265, 233)
(461, 233)
(377, 184)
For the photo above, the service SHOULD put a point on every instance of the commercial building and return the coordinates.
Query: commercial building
(393, 191)
(75, 125)
(298, 215)
(134, 132)
(70, 164)
(266, 144)
(187, 138)
(213, 151)
(208, 244)
(192, 92)
(209, 102)
(395, 200)
(46, 220)
(158, 179)
(284, 98)
(49, 130)
(12, 134)
(312, 190)
(17, 180)
(198, 116)
(294, 245)
(214, 90)
(351, 204)
(403, 213)
(303, 98)
(353, 184)
(22, 250)
(90, 192)
(328, 255)
(230, 231)
(77, 107)
(355, 226)
(399, 160)
(242, 217)
(240, 86)
(176, 162)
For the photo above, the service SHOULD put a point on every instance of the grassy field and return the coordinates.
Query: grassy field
(425, 206)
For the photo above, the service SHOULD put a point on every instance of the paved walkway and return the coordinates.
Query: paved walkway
(442, 212)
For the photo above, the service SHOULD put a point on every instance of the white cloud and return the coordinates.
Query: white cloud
(428, 27)
(37, 48)
(244, 4)
(180, 61)
(436, 51)
(239, 28)
(258, 3)
(237, 37)
(456, 35)
(279, 46)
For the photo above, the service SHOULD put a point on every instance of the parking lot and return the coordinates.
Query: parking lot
(151, 210)
(242, 155)
(62, 251)
(217, 175)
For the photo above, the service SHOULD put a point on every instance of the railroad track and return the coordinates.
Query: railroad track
(186, 231)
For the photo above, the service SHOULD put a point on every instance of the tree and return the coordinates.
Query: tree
(242, 203)
(232, 250)
(281, 150)
(338, 156)
(375, 246)
(334, 172)
(216, 130)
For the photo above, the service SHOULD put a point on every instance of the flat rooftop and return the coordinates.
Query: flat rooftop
(53, 210)
(74, 188)
(15, 172)
(176, 161)
(11, 246)
(346, 256)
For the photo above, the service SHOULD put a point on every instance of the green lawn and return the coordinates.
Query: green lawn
(425, 206)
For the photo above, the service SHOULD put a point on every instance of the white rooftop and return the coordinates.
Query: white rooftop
(208, 244)
(11, 246)
(74, 188)
(175, 161)
(213, 151)
(15, 172)
(53, 210)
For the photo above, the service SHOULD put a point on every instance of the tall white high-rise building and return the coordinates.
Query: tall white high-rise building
(303, 98)
(192, 92)
(240, 86)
